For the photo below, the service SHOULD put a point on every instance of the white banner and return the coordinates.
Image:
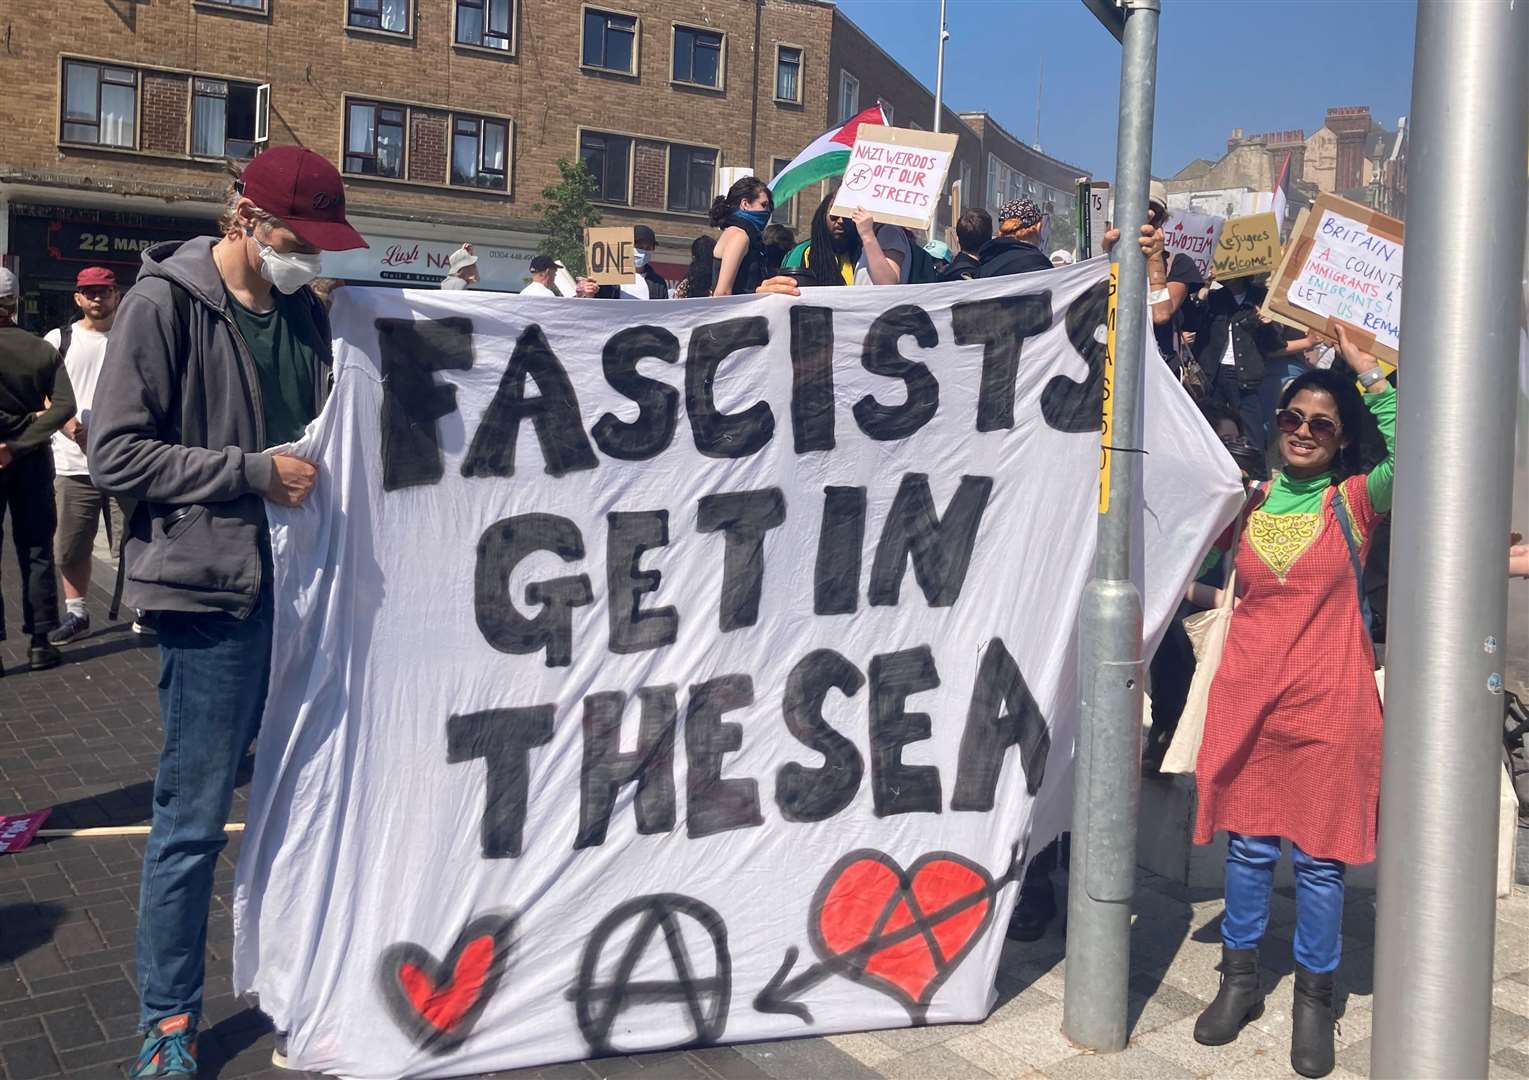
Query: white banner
(647, 673)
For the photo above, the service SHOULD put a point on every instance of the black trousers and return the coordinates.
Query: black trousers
(1247, 403)
(26, 497)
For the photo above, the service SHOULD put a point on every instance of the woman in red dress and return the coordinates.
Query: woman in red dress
(1292, 732)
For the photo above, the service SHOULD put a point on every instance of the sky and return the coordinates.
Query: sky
(1222, 64)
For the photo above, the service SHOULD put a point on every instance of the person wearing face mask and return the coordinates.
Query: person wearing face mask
(647, 283)
(739, 259)
(219, 355)
(461, 269)
(1291, 746)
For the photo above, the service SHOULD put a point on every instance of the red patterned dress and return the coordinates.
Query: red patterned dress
(1292, 728)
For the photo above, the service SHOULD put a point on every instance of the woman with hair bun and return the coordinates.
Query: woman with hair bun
(739, 260)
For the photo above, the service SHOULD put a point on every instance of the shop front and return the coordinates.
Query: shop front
(418, 263)
(48, 245)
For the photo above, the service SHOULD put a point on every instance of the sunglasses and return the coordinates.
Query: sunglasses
(1322, 428)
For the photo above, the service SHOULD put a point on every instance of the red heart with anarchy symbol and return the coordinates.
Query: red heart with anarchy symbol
(901, 931)
(437, 1003)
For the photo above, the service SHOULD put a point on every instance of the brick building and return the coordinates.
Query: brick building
(447, 118)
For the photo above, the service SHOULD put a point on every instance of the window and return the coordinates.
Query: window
(610, 41)
(607, 158)
(886, 109)
(788, 73)
(1003, 183)
(849, 96)
(785, 212)
(487, 24)
(698, 57)
(244, 5)
(227, 119)
(374, 139)
(391, 16)
(480, 149)
(692, 178)
(100, 105)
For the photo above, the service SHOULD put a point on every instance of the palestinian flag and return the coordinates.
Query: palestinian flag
(1281, 195)
(825, 156)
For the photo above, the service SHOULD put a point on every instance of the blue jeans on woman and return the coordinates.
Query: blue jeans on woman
(1250, 863)
(214, 670)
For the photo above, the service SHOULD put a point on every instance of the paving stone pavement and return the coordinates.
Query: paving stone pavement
(84, 739)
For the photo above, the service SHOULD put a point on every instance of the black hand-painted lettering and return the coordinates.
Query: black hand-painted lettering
(554, 413)
(712, 804)
(412, 401)
(607, 770)
(1003, 713)
(1000, 325)
(898, 788)
(622, 944)
(653, 430)
(836, 577)
(744, 517)
(812, 378)
(503, 738)
(500, 549)
(815, 794)
(940, 547)
(632, 628)
(1069, 405)
(880, 357)
(718, 434)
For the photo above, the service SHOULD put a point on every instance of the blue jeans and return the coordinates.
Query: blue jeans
(214, 670)
(1250, 862)
(1246, 402)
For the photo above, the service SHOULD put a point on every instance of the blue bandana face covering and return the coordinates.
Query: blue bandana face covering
(757, 218)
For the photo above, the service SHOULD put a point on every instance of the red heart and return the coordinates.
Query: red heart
(437, 1002)
(444, 1006)
(902, 932)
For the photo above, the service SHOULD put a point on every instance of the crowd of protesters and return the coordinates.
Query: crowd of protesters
(1308, 421)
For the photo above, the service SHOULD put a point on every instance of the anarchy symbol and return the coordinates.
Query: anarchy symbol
(703, 998)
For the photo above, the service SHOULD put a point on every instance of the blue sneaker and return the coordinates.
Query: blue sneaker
(169, 1051)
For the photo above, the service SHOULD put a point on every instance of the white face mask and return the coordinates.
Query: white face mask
(640, 258)
(288, 272)
(453, 283)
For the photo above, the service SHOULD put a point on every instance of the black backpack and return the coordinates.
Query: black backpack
(921, 266)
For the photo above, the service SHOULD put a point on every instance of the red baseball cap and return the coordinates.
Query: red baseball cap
(304, 190)
(95, 275)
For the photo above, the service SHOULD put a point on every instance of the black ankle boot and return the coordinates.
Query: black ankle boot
(1311, 1037)
(1239, 1000)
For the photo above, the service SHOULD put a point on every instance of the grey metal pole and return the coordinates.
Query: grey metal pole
(1444, 706)
(1107, 781)
(939, 74)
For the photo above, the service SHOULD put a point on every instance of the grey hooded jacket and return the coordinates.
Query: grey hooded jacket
(177, 424)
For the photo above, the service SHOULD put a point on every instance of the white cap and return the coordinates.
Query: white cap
(1061, 257)
(9, 286)
(460, 258)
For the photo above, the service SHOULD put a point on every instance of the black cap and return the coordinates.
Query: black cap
(541, 263)
(641, 234)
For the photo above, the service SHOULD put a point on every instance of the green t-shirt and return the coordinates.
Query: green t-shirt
(285, 345)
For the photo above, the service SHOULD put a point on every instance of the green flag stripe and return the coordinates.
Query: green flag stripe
(821, 167)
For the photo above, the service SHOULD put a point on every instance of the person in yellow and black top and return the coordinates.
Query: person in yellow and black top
(849, 251)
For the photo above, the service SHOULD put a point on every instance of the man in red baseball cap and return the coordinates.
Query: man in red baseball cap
(219, 358)
(82, 344)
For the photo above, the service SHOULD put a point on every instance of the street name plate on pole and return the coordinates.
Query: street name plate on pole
(1107, 777)
(1441, 766)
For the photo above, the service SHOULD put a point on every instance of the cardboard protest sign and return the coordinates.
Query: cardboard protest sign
(608, 255)
(1344, 265)
(897, 174)
(1097, 213)
(1248, 246)
(1195, 235)
(658, 674)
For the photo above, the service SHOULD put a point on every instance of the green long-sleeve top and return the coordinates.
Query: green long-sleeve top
(36, 397)
(1288, 495)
